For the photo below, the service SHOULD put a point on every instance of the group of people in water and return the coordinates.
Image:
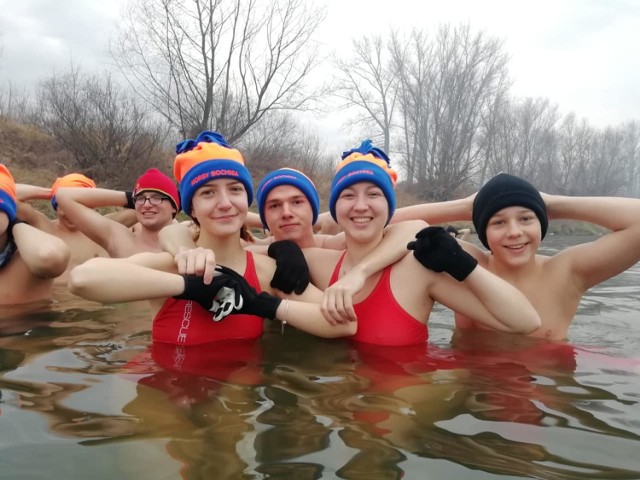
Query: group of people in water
(375, 282)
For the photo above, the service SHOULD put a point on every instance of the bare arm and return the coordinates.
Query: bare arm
(113, 280)
(79, 203)
(440, 212)
(493, 301)
(45, 255)
(33, 217)
(594, 262)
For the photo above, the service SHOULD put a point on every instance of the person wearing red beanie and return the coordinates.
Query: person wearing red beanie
(154, 199)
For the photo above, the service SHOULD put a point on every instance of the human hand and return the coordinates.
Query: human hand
(337, 303)
(251, 302)
(221, 296)
(436, 250)
(196, 261)
(292, 271)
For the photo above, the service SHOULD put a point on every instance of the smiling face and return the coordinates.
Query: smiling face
(153, 217)
(514, 235)
(362, 211)
(289, 215)
(220, 206)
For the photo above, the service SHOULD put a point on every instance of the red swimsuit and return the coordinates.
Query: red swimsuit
(381, 320)
(183, 322)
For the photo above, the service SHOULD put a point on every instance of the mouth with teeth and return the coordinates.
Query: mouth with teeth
(361, 220)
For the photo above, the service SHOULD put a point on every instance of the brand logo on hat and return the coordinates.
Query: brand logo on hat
(214, 173)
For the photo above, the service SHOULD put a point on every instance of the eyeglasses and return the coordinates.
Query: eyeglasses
(153, 200)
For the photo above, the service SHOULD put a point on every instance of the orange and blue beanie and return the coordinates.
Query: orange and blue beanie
(294, 178)
(364, 164)
(207, 158)
(7, 193)
(153, 180)
(73, 180)
(504, 191)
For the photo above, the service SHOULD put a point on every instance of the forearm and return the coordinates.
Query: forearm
(614, 213)
(91, 197)
(433, 213)
(512, 310)
(26, 192)
(110, 280)
(392, 248)
(308, 317)
(45, 255)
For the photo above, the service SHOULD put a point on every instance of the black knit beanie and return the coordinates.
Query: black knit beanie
(504, 191)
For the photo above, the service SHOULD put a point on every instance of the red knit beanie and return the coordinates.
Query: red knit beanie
(154, 180)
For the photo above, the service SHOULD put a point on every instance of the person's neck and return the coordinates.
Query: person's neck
(356, 251)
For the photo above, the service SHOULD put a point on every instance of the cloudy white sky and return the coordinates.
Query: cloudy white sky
(584, 55)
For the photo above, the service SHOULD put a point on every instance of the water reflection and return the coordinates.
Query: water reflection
(84, 393)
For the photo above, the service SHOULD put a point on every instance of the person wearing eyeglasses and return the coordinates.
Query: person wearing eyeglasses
(155, 200)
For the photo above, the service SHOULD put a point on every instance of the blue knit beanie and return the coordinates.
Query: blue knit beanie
(364, 164)
(294, 178)
(207, 158)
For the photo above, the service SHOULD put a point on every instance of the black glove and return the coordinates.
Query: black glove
(251, 302)
(292, 271)
(436, 250)
(131, 202)
(221, 297)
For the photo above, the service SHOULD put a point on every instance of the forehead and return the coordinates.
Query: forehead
(150, 193)
(514, 210)
(362, 186)
(283, 192)
(220, 182)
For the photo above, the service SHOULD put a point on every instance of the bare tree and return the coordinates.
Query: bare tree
(109, 134)
(448, 88)
(368, 81)
(218, 64)
(524, 140)
(281, 140)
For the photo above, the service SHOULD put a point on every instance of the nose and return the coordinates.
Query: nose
(514, 228)
(286, 209)
(361, 202)
(224, 201)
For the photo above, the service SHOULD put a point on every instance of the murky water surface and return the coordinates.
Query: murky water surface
(84, 394)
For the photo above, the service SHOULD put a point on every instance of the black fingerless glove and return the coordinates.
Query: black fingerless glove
(221, 297)
(252, 303)
(292, 271)
(436, 250)
(131, 202)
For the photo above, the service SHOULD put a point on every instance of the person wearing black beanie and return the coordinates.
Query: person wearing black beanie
(511, 218)
(504, 191)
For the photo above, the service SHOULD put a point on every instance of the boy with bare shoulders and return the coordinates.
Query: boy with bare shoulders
(511, 218)
(156, 202)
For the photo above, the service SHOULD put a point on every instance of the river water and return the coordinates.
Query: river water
(84, 394)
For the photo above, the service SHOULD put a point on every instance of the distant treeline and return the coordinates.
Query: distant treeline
(438, 102)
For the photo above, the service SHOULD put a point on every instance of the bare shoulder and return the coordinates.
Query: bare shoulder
(265, 268)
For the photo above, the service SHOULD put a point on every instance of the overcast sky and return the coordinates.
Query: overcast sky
(584, 55)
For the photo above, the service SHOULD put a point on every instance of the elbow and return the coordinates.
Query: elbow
(82, 280)
(51, 260)
(528, 324)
